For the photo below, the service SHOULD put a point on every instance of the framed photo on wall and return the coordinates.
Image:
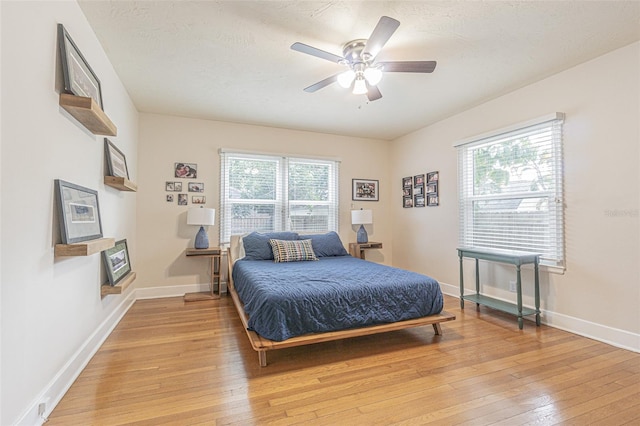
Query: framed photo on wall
(78, 212)
(116, 262)
(79, 78)
(195, 186)
(365, 190)
(186, 170)
(116, 161)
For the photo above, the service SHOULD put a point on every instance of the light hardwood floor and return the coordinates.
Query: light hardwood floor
(171, 363)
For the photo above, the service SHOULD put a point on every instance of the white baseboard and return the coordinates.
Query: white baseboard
(612, 336)
(63, 380)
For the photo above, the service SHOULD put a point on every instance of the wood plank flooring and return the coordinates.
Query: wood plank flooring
(171, 363)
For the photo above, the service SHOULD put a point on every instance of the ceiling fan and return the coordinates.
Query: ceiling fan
(363, 73)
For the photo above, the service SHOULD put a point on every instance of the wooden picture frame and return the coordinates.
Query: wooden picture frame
(365, 190)
(116, 160)
(79, 78)
(78, 212)
(116, 262)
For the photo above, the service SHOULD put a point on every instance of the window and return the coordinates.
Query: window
(273, 193)
(510, 190)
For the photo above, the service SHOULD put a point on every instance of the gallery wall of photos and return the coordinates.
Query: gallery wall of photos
(420, 190)
(185, 189)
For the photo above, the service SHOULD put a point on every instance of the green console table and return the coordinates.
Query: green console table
(517, 258)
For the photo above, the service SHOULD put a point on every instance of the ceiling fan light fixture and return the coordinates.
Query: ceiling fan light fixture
(346, 78)
(373, 75)
(360, 87)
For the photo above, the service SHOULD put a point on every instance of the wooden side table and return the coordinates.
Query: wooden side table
(214, 254)
(357, 250)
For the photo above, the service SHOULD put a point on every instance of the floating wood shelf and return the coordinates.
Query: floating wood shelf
(85, 248)
(121, 183)
(89, 114)
(106, 289)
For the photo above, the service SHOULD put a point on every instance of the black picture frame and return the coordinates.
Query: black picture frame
(418, 201)
(433, 200)
(407, 202)
(79, 78)
(116, 160)
(195, 186)
(407, 182)
(78, 212)
(365, 190)
(116, 262)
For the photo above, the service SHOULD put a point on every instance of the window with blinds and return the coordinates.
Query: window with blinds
(274, 193)
(510, 190)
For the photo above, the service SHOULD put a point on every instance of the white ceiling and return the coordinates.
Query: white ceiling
(231, 60)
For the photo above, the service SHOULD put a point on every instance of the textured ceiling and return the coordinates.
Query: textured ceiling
(231, 61)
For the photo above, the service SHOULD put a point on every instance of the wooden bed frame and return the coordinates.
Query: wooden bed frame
(262, 345)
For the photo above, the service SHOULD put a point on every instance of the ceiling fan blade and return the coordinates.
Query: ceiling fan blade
(380, 35)
(323, 83)
(305, 48)
(408, 66)
(373, 93)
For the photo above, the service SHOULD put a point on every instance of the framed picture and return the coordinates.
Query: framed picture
(418, 180)
(79, 78)
(78, 212)
(419, 201)
(116, 262)
(116, 161)
(196, 186)
(418, 190)
(177, 186)
(169, 186)
(432, 177)
(407, 182)
(198, 199)
(183, 199)
(407, 202)
(432, 200)
(186, 170)
(407, 192)
(365, 190)
(169, 198)
(432, 188)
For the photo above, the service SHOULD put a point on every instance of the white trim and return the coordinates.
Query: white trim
(511, 128)
(277, 154)
(611, 336)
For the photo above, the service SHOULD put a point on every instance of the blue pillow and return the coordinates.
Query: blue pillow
(325, 245)
(256, 245)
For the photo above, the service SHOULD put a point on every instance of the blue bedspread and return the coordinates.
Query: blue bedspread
(284, 300)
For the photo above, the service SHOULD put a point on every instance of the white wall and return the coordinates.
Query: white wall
(162, 231)
(599, 294)
(51, 306)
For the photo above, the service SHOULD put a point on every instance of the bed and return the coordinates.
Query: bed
(293, 290)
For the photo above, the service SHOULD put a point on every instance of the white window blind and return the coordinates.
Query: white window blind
(510, 190)
(268, 193)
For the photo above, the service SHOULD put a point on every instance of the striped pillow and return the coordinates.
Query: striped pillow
(292, 250)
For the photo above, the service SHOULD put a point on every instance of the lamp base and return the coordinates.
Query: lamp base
(361, 236)
(202, 239)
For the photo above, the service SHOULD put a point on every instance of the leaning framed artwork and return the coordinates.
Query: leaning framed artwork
(365, 190)
(116, 161)
(78, 212)
(116, 262)
(79, 78)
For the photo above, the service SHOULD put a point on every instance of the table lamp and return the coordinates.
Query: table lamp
(201, 217)
(361, 217)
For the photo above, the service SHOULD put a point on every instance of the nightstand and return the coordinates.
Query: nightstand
(357, 250)
(214, 254)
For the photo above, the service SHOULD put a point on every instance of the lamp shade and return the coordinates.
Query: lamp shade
(361, 217)
(201, 216)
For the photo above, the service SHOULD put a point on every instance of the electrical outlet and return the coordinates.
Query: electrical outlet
(512, 286)
(42, 407)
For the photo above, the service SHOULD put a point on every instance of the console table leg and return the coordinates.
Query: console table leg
(537, 292)
(519, 295)
(461, 284)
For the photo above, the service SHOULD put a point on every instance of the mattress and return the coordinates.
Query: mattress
(284, 300)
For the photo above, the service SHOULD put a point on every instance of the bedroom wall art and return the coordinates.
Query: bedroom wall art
(433, 199)
(407, 192)
(365, 190)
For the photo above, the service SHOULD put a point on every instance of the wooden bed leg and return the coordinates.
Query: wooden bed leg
(437, 329)
(262, 357)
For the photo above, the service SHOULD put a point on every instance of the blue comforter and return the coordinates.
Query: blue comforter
(284, 300)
